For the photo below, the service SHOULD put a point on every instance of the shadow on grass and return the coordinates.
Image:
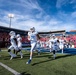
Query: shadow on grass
(24, 73)
(35, 55)
(4, 57)
(51, 59)
(64, 56)
(40, 62)
(42, 56)
(25, 56)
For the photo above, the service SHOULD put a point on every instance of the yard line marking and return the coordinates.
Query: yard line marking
(10, 69)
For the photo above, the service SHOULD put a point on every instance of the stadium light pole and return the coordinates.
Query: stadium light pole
(10, 17)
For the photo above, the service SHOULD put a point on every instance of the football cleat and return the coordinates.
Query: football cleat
(29, 61)
(11, 58)
(21, 56)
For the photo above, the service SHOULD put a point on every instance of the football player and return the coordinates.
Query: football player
(54, 45)
(13, 46)
(33, 37)
(61, 43)
(19, 43)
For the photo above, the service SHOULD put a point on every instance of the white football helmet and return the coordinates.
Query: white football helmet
(18, 35)
(12, 33)
(33, 28)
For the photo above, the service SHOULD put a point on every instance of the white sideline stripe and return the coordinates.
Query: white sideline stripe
(10, 69)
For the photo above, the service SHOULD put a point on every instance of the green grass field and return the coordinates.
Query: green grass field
(42, 64)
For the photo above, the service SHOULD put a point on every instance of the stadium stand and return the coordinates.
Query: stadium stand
(4, 36)
(70, 37)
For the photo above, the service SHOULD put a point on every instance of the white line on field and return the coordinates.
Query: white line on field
(10, 69)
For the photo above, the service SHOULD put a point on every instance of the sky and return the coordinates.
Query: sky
(44, 15)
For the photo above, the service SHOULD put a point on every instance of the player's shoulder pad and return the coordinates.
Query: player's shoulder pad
(36, 32)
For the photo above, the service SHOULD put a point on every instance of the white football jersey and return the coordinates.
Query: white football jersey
(61, 41)
(33, 36)
(54, 41)
(12, 40)
(19, 41)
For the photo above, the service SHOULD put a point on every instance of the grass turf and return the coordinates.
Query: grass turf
(41, 64)
(3, 71)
